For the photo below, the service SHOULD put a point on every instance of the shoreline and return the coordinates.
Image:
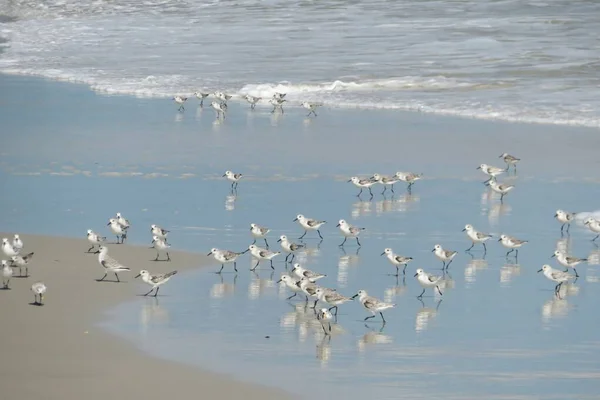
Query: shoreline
(59, 350)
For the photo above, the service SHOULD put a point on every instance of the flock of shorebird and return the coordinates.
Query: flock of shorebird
(221, 99)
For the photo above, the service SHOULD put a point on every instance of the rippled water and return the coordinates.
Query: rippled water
(508, 60)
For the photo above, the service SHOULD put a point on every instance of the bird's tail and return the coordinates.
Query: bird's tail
(170, 274)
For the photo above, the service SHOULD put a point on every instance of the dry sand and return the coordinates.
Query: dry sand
(56, 352)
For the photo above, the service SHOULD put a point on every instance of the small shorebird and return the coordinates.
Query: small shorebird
(512, 243)
(279, 96)
(408, 177)
(311, 107)
(94, 239)
(325, 316)
(124, 222)
(17, 243)
(109, 264)
(180, 100)
(445, 255)
(594, 226)
(201, 96)
(161, 246)
(289, 247)
(510, 160)
(362, 184)
(118, 230)
(252, 100)
(491, 171)
(262, 254)
(225, 257)
(220, 108)
(22, 262)
(155, 280)
(8, 248)
(7, 273)
(309, 224)
(556, 276)
(302, 272)
(277, 104)
(386, 181)
(397, 260)
(476, 237)
(349, 231)
(428, 281)
(568, 261)
(309, 289)
(38, 289)
(159, 232)
(234, 178)
(292, 284)
(565, 218)
(501, 188)
(331, 297)
(372, 304)
(222, 96)
(259, 232)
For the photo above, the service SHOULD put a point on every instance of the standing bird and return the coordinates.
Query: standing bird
(8, 248)
(510, 160)
(568, 261)
(277, 104)
(252, 100)
(124, 222)
(310, 290)
(385, 181)
(220, 108)
(155, 280)
(94, 239)
(161, 246)
(234, 178)
(556, 276)
(349, 231)
(309, 224)
(201, 96)
(491, 171)
(445, 256)
(22, 262)
(292, 284)
(259, 232)
(225, 257)
(502, 189)
(311, 107)
(372, 304)
(38, 289)
(331, 297)
(397, 260)
(512, 243)
(565, 218)
(325, 316)
(428, 281)
(159, 232)
(476, 237)
(109, 264)
(362, 184)
(262, 254)
(17, 243)
(180, 100)
(222, 96)
(303, 273)
(7, 273)
(594, 226)
(289, 247)
(408, 177)
(118, 230)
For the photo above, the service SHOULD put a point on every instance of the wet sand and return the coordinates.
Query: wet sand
(57, 351)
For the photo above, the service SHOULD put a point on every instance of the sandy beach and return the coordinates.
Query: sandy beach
(56, 351)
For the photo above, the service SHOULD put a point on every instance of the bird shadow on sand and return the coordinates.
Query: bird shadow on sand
(37, 304)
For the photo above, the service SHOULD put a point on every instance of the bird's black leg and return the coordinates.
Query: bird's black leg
(156, 293)
(168, 256)
(319, 232)
(380, 313)
(439, 291)
(343, 241)
(156, 259)
(117, 276)
(359, 193)
(393, 188)
(484, 248)
(235, 266)
(372, 316)
(384, 189)
(421, 295)
(576, 274)
(594, 239)
(472, 244)
(266, 243)
(272, 267)
(294, 295)
(222, 266)
(303, 235)
(404, 270)
(370, 192)
(358, 242)
(286, 257)
(101, 279)
(91, 248)
(254, 241)
(149, 292)
(258, 262)
(315, 305)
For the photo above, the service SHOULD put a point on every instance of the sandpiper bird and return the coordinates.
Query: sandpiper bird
(289, 247)
(445, 255)
(118, 230)
(94, 239)
(252, 100)
(292, 284)
(159, 232)
(349, 231)
(259, 232)
(331, 297)
(510, 160)
(17, 242)
(155, 280)
(325, 316)
(8, 248)
(309, 289)
(565, 218)
(7, 273)
(362, 184)
(311, 107)
(277, 104)
(372, 304)
(302, 272)
(476, 237)
(279, 96)
(161, 246)
(222, 96)
(568, 261)
(38, 289)
(428, 281)
(512, 243)
(262, 254)
(22, 262)
(109, 264)
(385, 181)
(124, 222)
(234, 178)
(225, 257)
(201, 96)
(501, 188)
(557, 276)
(180, 100)
(220, 108)
(397, 260)
(309, 224)
(491, 171)
(594, 226)
(408, 177)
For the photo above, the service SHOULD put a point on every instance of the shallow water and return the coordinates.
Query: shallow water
(499, 332)
(506, 60)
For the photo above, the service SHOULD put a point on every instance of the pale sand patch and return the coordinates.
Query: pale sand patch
(57, 352)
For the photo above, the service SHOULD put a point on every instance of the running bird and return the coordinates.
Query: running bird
(220, 108)
(180, 100)
(234, 178)
(408, 177)
(512, 243)
(386, 181)
(109, 264)
(225, 257)
(325, 316)
(252, 100)
(94, 239)
(289, 247)
(155, 280)
(397, 260)
(594, 226)
(568, 261)
(311, 107)
(277, 104)
(331, 297)
(17, 243)
(259, 232)
(161, 246)
(201, 96)
(476, 237)
(159, 232)
(349, 231)
(445, 255)
(301, 272)
(557, 276)
(428, 281)
(22, 262)
(38, 289)
(292, 284)
(122, 221)
(510, 160)
(491, 171)
(565, 218)
(262, 254)
(362, 184)
(222, 96)
(7, 273)
(372, 304)
(8, 248)
(502, 189)
(118, 230)
(309, 224)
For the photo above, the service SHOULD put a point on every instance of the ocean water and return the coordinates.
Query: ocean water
(498, 331)
(534, 61)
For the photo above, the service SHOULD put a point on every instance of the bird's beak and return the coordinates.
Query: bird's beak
(553, 255)
(278, 240)
(337, 225)
(499, 239)
(250, 228)
(355, 296)
(137, 276)
(245, 251)
(540, 270)
(108, 223)
(432, 250)
(209, 253)
(295, 219)
(500, 156)
(463, 230)
(349, 180)
(224, 174)
(279, 281)
(555, 215)
(416, 275)
(383, 253)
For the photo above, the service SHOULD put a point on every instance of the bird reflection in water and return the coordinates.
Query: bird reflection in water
(373, 337)
(476, 264)
(392, 292)
(223, 289)
(346, 260)
(425, 315)
(303, 318)
(508, 272)
(258, 287)
(554, 308)
(361, 209)
(151, 313)
(324, 350)
(496, 211)
(406, 202)
(564, 245)
(230, 201)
